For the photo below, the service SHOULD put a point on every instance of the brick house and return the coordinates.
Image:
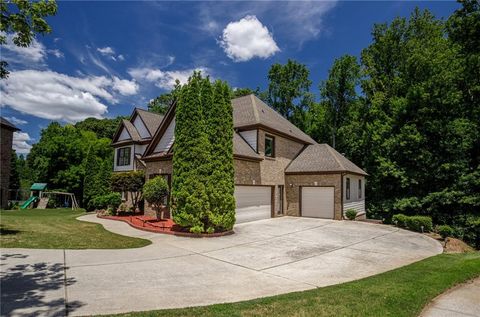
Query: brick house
(6, 137)
(279, 170)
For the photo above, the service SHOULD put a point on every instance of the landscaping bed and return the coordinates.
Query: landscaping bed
(165, 226)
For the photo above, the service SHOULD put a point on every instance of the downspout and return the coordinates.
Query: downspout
(341, 195)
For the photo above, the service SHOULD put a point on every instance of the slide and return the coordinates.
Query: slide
(28, 202)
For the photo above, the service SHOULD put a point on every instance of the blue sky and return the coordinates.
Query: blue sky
(104, 58)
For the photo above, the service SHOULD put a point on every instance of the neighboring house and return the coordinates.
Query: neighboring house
(279, 170)
(6, 137)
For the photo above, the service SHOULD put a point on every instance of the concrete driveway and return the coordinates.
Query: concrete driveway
(263, 258)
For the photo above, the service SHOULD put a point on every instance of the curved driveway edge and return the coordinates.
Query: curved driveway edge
(262, 258)
(461, 301)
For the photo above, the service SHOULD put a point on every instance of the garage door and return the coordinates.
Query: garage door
(318, 202)
(253, 203)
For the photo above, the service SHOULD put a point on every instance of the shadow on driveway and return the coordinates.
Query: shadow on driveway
(34, 289)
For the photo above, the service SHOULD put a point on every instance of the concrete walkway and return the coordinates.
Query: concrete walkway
(262, 258)
(461, 301)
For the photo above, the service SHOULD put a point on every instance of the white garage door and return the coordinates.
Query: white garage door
(318, 202)
(253, 203)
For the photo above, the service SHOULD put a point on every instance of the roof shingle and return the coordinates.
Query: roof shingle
(4, 122)
(322, 158)
(250, 110)
(152, 120)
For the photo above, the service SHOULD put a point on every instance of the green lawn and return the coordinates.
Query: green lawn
(401, 292)
(58, 229)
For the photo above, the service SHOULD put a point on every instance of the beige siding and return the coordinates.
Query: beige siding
(251, 137)
(141, 128)
(124, 135)
(167, 139)
(355, 201)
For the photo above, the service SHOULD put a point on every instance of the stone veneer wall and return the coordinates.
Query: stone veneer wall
(293, 192)
(156, 167)
(246, 172)
(6, 136)
(273, 169)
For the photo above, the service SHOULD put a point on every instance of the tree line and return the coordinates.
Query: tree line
(407, 111)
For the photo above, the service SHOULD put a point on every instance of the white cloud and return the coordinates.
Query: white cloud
(20, 142)
(164, 79)
(125, 87)
(106, 51)
(57, 53)
(16, 121)
(35, 53)
(248, 38)
(55, 96)
(110, 53)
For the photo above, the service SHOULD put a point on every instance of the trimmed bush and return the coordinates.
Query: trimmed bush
(155, 192)
(445, 231)
(416, 223)
(351, 214)
(111, 200)
(400, 220)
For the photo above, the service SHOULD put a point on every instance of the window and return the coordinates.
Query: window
(359, 188)
(269, 146)
(347, 189)
(123, 156)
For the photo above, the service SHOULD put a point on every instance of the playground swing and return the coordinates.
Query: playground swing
(38, 194)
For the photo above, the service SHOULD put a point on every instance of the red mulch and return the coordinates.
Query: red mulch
(166, 226)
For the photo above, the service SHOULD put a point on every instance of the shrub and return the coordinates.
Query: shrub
(108, 200)
(445, 231)
(472, 232)
(351, 214)
(400, 220)
(155, 192)
(416, 223)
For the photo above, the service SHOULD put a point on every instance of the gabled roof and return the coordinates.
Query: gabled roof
(250, 111)
(322, 158)
(134, 135)
(152, 120)
(7, 124)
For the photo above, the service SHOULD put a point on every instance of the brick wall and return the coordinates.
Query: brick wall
(6, 136)
(293, 192)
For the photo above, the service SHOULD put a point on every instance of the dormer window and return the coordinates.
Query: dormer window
(269, 146)
(123, 156)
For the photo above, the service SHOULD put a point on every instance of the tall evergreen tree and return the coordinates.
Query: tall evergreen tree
(219, 119)
(190, 203)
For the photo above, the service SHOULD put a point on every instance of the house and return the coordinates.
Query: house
(6, 136)
(279, 170)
